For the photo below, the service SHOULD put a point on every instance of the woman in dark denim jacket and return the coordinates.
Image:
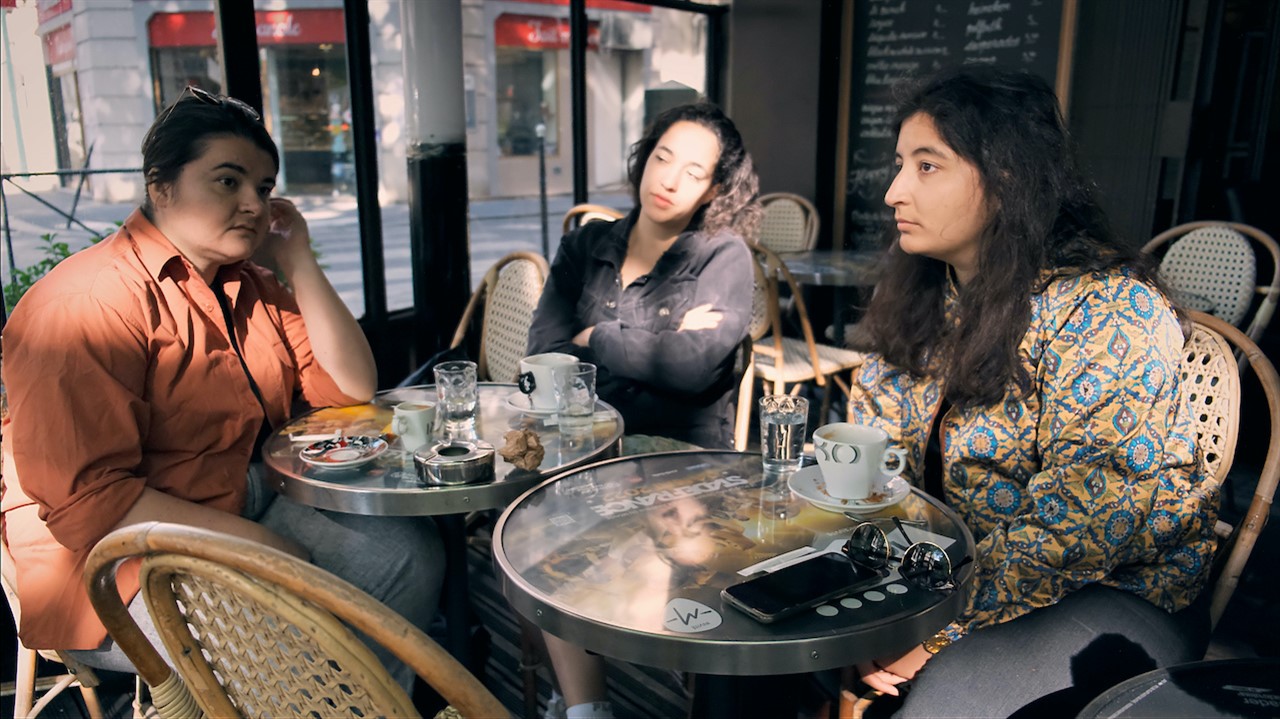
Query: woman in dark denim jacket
(659, 301)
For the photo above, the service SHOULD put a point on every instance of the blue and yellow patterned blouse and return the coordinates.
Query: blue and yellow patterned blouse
(1093, 477)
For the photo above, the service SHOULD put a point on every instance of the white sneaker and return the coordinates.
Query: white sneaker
(555, 706)
(593, 710)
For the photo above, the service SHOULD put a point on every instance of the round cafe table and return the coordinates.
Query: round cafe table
(842, 270)
(627, 558)
(389, 485)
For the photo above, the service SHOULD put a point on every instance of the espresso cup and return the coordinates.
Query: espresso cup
(536, 380)
(412, 422)
(854, 458)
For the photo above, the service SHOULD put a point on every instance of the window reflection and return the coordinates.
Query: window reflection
(517, 74)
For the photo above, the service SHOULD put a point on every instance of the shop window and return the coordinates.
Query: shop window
(526, 96)
(174, 68)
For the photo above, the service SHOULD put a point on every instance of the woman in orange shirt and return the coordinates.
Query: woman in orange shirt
(145, 372)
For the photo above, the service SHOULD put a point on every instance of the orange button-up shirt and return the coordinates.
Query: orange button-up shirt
(121, 375)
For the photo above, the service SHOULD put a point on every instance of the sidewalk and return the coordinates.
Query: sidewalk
(498, 226)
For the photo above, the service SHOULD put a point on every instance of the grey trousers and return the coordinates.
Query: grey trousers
(1054, 660)
(397, 560)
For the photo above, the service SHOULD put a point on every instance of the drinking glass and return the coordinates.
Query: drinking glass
(575, 395)
(456, 392)
(782, 427)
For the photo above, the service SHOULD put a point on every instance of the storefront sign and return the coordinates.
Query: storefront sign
(622, 5)
(281, 27)
(538, 32)
(47, 10)
(59, 46)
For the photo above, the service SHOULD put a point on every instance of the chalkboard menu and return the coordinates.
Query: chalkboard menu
(895, 40)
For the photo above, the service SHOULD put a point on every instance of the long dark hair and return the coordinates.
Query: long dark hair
(181, 133)
(736, 203)
(1044, 224)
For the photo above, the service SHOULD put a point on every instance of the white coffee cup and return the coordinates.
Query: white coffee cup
(854, 458)
(536, 380)
(413, 421)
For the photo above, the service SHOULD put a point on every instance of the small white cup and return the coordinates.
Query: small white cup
(854, 459)
(536, 379)
(412, 421)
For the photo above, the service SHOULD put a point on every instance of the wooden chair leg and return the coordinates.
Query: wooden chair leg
(25, 683)
(742, 423)
(90, 697)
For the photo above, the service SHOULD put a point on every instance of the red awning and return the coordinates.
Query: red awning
(279, 27)
(59, 46)
(538, 32)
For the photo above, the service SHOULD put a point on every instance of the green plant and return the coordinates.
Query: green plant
(54, 252)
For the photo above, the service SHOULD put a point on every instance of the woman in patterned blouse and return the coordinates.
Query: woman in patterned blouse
(1043, 357)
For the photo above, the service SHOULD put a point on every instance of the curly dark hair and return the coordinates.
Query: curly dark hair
(1045, 224)
(736, 204)
(181, 133)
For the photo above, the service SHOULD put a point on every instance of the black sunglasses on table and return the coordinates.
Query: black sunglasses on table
(924, 564)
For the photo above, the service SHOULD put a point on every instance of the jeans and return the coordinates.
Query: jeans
(1056, 659)
(397, 560)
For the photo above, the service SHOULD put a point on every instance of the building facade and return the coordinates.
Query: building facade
(112, 65)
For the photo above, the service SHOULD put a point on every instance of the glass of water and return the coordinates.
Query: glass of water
(575, 385)
(782, 427)
(457, 396)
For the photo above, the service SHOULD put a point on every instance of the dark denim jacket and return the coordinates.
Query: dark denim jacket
(668, 383)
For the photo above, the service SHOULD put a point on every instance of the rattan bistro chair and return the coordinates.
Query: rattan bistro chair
(1212, 267)
(785, 363)
(790, 222)
(255, 632)
(579, 215)
(1211, 376)
(508, 294)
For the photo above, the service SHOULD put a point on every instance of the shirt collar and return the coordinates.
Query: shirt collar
(613, 246)
(155, 250)
(159, 256)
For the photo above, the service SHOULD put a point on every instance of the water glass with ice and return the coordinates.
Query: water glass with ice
(782, 427)
(575, 395)
(456, 392)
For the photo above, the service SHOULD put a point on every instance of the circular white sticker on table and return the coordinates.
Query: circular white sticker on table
(850, 603)
(826, 610)
(896, 589)
(874, 596)
(689, 617)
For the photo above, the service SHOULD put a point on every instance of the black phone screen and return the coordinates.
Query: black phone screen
(799, 586)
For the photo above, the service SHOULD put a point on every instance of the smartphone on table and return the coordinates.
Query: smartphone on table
(800, 586)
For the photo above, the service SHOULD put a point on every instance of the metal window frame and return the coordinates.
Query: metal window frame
(242, 73)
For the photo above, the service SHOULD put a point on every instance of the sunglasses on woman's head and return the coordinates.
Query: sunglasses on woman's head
(209, 98)
(924, 564)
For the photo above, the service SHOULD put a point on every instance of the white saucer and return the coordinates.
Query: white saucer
(520, 402)
(343, 452)
(808, 483)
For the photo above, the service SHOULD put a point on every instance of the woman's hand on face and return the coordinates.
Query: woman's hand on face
(583, 338)
(288, 240)
(701, 317)
(886, 673)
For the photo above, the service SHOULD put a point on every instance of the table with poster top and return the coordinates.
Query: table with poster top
(627, 558)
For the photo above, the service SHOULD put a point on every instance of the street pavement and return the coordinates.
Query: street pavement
(498, 226)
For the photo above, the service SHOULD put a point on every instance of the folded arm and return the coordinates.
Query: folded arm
(684, 359)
